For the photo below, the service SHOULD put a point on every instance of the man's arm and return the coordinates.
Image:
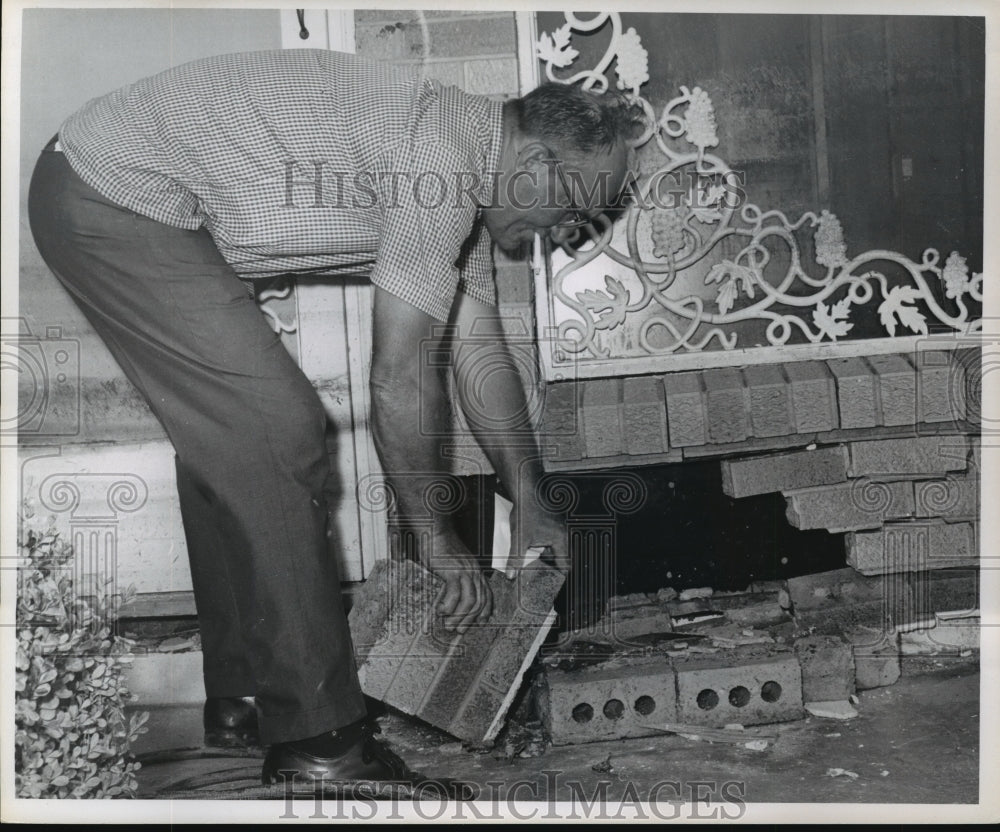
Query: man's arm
(493, 401)
(409, 423)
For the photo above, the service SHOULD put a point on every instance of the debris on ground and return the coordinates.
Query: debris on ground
(603, 767)
(841, 772)
(835, 709)
(731, 736)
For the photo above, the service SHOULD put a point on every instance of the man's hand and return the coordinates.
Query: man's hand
(532, 526)
(466, 598)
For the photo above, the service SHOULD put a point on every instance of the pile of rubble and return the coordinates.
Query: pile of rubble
(703, 662)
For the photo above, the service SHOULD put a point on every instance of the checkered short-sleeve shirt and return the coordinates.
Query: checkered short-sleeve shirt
(306, 161)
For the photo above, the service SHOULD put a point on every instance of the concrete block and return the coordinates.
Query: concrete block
(876, 657)
(940, 590)
(686, 421)
(561, 433)
(749, 686)
(838, 587)
(644, 415)
(859, 504)
(784, 472)
(856, 403)
(971, 362)
(493, 76)
(946, 636)
(913, 547)
(467, 36)
(463, 684)
(827, 664)
(814, 396)
(602, 405)
(167, 679)
(896, 381)
(841, 599)
(911, 456)
(940, 387)
(726, 405)
(614, 700)
(770, 400)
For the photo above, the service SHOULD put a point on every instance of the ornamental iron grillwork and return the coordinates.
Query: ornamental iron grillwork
(645, 288)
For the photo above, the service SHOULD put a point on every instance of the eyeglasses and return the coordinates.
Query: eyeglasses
(578, 219)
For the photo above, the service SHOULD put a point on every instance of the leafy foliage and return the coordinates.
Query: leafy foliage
(72, 738)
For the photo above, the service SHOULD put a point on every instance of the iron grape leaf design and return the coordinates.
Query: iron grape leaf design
(833, 321)
(895, 307)
(555, 49)
(612, 305)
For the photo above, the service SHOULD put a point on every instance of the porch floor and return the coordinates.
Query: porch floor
(914, 742)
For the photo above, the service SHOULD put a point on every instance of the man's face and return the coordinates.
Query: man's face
(539, 194)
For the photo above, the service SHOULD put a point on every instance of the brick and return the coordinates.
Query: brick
(726, 405)
(859, 504)
(827, 664)
(561, 434)
(856, 403)
(813, 395)
(940, 387)
(602, 405)
(644, 415)
(837, 601)
(822, 590)
(784, 472)
(914, 455)
(624, 625)
(607, 701)
(953, 498)
(462, 684)
(745, 685)
(686, 421)
(770, 400)
(750, 609)
(913, 547)
(876, 657)
(896, 381)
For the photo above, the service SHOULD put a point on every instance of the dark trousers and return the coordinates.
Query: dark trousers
(248, 431)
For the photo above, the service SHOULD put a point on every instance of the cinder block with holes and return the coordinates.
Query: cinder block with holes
(746, 686)
(613, 700)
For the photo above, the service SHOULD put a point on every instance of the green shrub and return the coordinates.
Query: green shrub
(72, 736)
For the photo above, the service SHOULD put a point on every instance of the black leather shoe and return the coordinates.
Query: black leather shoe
(231, 722)
(347, 756)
